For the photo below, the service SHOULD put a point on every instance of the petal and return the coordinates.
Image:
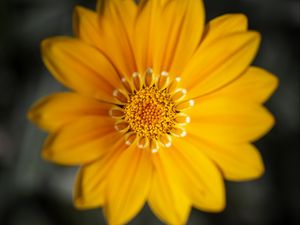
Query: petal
(167, 33)
(255, 85)
(215, 65)
(167, 198)
(146, 34)
(81, 141)
(128, 185)
(182, 28)
(80, 67)
(116, 21)
(92, 179)
(86, 26)
(202, 179)
(56, 110)
(238, 162)
(224, 25)
(229, 121)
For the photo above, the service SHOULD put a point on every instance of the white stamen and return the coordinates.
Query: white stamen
(149, 71)
(164, 73)
(168, 144)
(183, 134)
(140, 145)
(191, 102)
(110, 112)
(135, 74)
(188, 119)
(154, 150)
(178, 79)
(123, 79)
(115, 92)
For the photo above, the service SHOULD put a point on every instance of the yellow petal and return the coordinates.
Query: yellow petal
(146, 34)
(238, 162)
(116, 20)
(182, 28)
(229, 121)
(167, 198)
(56, 110)
(167, 33)
(223, 26)
(203, 181)
(81, 141)
(122, 15)
(217, 64)
(86, 26)
(255, 85)
(80, 67)
(92, 179)
(128, 185)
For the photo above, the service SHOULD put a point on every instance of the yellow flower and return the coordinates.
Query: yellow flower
(162, 108)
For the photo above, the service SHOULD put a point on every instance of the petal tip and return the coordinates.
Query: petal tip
(46, 155)
(79, 14)
(270, 120)
(274, 82)
(239, 18)
(79, 203)
(46, 43)
(256, 36)
(259, 170)
(34, 113)
(31, 115)
(253, 37)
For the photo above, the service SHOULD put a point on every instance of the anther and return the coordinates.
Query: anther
(126, 84)
(178, 132)
(135, 74)
(163, 80)
(179, 95)
(174, 85)
(164, 73)
(137, 80)
(149, 77)
(116, 112)
(121, 126)
(178, 79)
(166, 140)
(143, 142)
(182, 118)
(185, 105)
(154, 150)
(188, 119)
(154, 147)
(120, 96)
(130, 138)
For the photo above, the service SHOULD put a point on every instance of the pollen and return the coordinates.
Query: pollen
(150, 112)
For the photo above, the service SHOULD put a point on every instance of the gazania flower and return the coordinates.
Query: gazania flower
(162, 107)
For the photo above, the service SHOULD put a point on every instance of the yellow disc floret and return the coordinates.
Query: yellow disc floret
(150, 112)
(150, 109)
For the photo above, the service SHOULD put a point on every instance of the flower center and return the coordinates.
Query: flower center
(150, 112)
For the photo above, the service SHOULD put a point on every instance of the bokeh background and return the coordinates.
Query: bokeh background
(35, 192)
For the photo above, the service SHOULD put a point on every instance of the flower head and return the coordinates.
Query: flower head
(162, 107)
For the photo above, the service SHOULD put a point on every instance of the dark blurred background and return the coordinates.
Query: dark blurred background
(35, 192)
